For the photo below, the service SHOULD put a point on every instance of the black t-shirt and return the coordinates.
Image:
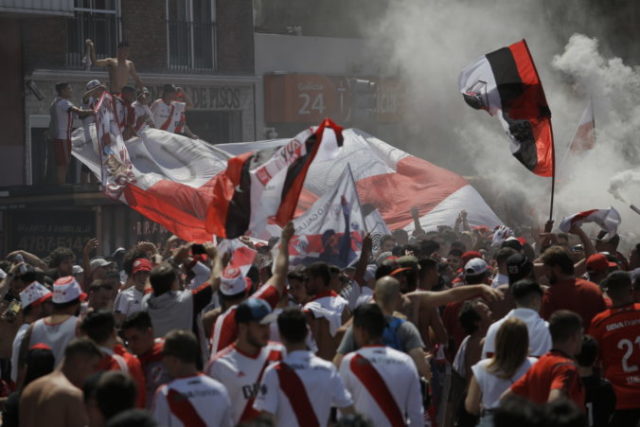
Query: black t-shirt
(600, 400)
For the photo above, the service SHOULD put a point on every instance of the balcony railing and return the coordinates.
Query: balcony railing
(102, 28)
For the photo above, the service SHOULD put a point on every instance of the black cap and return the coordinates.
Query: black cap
(518, 267)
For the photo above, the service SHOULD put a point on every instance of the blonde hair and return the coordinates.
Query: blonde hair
(511, 349)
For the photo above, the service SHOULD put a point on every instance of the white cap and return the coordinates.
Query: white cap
(475, 266)
(99, 262)
(35, 293)
(66, 289)
(232, 281)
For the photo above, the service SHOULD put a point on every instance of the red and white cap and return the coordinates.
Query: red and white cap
(66, 289)
(233, 282)
(141, 264)
(34, 294)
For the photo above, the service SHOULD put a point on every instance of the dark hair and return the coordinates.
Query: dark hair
(295, 275)
(99, 325)
(469, 317)
(129, 89)
(353, 420)
(455, 252)
(564, 324)
(115, 393)
(524, 289)
(61, 86)
(458, 246)
(321, 270)
(39, 362)
(168, 88)
(132, 418)
(81, 347)
(428, 247)
(123, 43)
(292, 325)
(588, 353)
(385, 238)
(385, 268)
(427, 264)
(182, 345)
(59, 255)
(504, 253)
(161, 278)
(139, 320)
(518, 411)
(616, 283)
(558, 256)
(564, 413)
(370, 318)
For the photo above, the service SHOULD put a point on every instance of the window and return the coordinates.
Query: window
(98, 20)
(191, 35)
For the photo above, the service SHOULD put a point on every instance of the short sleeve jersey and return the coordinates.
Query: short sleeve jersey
(617, 331)
(301, 390)
(61, 118)
(578, 295)
(241, 374)
(553, 371)
(169, 117)
(192, 401)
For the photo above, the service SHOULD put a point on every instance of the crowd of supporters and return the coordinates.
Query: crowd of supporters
(456, 327)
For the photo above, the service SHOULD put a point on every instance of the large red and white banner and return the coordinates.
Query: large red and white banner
(174, 178)
(607, 219)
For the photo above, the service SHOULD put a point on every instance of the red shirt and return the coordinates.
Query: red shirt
(553, 371)
(454, 328)
(578, 295)
(122, 360)
(617, 330)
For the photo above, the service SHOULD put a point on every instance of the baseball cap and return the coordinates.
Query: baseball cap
(475, 266)
(518, 267)
(469, 255)
(255, 310)
(232, 281)
(66, 289)
(598, 263)
(77, 269)
(141, 264)
(99, 262)
(34, 294)
(513, 243)
(93, 84)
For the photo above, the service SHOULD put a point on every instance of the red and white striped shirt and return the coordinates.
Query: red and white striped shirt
(301, 390)
(241, 374)
(225, 329)
(169, 117)
(194, 401)
(384, 384)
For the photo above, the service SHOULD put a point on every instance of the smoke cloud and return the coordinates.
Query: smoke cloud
(429, 42)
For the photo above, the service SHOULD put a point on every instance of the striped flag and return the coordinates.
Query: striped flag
(607, 219)
(505, 83)
(261, 189)
(585, 137)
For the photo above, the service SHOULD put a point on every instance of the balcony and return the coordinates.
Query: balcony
(37, 7)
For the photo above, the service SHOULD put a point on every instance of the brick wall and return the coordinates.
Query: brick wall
(144, 26)
(44, 42)
(235, 36)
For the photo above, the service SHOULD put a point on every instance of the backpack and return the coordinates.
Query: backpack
(390, 336)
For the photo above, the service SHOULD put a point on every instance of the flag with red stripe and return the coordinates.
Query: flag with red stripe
(505, 83)
(585, 138)
(262, 188)
(607, 219)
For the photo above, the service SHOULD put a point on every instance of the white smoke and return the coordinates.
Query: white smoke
(430, 42)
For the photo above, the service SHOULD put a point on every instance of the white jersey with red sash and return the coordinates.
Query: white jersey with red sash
(61, 119)
(142, 116)
(300, 390)
(195, 401)
(169, 117)
(225, 329)
(384, 384)
(328, 305)
(241, 374)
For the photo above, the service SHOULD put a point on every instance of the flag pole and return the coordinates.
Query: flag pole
(553, 171)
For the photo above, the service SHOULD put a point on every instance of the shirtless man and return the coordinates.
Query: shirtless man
(56, 399)
(120, 68)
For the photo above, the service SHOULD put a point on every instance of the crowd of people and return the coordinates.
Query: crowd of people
(133, 108)
(456, 327)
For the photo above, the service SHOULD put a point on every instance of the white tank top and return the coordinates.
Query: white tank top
(56, 336)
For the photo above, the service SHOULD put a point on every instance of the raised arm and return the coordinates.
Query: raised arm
(361, 266)
(461, 293)
(92, 54)
(415, 215)
(216, 266)
(281, 264)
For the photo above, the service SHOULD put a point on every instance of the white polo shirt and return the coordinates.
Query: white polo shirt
(241, 374)
(539, 336)
(301, 390)
(196, 400)
(128, 301)
(384, 384)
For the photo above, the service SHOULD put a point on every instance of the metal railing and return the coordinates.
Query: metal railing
(191, 46)
(102, 28)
